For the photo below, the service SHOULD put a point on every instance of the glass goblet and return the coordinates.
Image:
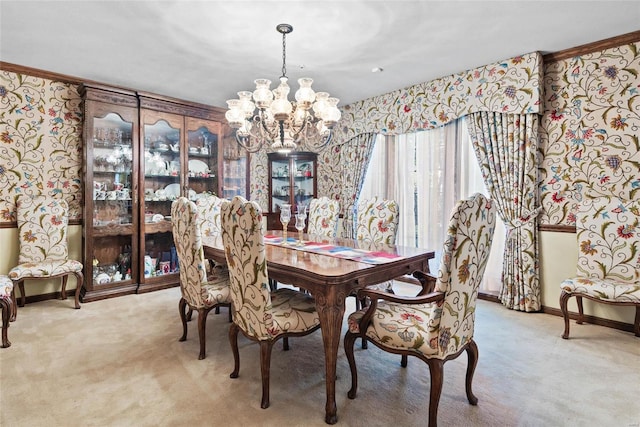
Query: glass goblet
(285, 217)
(300, 218)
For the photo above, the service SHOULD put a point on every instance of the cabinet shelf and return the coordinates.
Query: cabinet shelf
(112, 230)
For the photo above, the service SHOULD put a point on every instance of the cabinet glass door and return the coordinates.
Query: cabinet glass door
(202, 146)
(304, 181)
(280, 184)
(161, 167)
(110, 233)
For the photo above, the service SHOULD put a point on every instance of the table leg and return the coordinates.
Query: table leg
(330, 308)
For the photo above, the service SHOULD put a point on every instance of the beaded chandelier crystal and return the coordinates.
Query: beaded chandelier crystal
(266, 117)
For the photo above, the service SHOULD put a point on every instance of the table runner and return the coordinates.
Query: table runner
(359, 255)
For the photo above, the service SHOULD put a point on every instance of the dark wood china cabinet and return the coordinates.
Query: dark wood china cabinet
(292, 180)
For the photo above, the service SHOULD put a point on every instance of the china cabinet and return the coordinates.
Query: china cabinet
(292, 180)
(142, 152)
(179, 157)
(110, 231)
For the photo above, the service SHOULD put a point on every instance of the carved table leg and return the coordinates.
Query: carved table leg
(330, 305)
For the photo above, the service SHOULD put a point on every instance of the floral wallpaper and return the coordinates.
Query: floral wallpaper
(589, 131)
(40, 142)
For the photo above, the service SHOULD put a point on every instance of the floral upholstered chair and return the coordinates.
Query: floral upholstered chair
(209, 219)
(42, 232)
(8, 307)
(198, 293)
(608, 233)
(433, 326)
(261, 314)
(377, 224)
(323, 217)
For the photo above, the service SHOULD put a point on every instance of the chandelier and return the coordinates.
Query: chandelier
(266, 116)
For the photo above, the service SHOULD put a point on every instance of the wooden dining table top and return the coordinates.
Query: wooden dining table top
(324, 268)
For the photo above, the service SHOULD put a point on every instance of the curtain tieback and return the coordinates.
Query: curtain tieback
(522, 221)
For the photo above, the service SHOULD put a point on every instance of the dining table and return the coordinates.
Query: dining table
(330, 270)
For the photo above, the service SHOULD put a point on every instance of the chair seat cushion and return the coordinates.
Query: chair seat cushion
(216, 290)
(399, 326)
(603, 289)
(293, 311)
(6, 286)
(44, 269)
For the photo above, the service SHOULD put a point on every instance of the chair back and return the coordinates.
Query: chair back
(464, 258)
(209, 218)
(377, 221)
(42, 229)
(246, 258)
(188, 242)
(608, 233)
(323, 217)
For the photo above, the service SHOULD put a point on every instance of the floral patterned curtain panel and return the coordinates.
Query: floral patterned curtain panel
(354, 158)
(507, 150)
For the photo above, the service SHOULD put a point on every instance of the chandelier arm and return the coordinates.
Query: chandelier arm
(251, 148)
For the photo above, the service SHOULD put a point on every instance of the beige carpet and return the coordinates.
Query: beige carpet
(118, 362)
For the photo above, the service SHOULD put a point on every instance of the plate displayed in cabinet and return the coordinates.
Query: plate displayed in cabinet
(172, 191)
(198, 166)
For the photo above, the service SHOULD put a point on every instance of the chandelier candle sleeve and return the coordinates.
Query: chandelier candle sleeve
(266, 117)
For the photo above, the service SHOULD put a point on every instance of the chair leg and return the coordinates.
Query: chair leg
(404, 360)
(472, 358)
(265, 363)
(23, 297)
(636, 325)
(14, 305)
(349, 342)
(7, 310)
(580, 311)
(63, 292)
(285, 344)
(189, 314)
(202, 326)
(182, 309)
(436, 371)
(233, 340)
(79, 283)
(564, 298)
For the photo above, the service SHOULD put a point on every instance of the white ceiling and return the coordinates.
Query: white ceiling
(206, 51)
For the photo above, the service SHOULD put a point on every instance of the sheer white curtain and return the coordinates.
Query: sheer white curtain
(427, 172)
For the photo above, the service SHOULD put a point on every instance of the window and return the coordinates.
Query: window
(426, 173)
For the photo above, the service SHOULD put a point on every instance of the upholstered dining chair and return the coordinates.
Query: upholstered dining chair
(8, 307)
(260, 314)
(377, 223)
(199, 293)
(209, 221)
(323, 217)
(608, 270)
(44, 254)
(438, 324)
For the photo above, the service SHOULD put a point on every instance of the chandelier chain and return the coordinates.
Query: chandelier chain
(284, 54)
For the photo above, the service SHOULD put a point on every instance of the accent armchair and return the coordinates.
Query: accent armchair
(608, 271)
(434, 326)
(42, 230)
